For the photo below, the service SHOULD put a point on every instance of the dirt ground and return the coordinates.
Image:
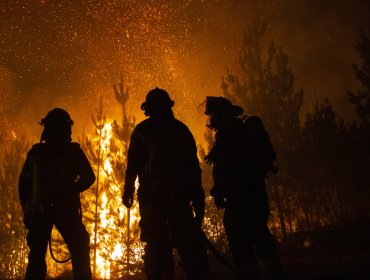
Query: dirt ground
(332, 253)
(340, 268)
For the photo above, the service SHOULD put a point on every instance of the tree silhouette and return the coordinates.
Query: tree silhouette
(115, 229)
(123, 133)
(361, 98)
(319, 149)
(96, 155)
(361, 131)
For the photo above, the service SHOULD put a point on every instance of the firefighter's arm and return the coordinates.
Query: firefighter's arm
(25, 189)
(134, 159)
(86, 173)
(218, 198)
(25, 181)
(195, 175)
(210, 157)
(219, 172)
(199, 205)
(198, 196)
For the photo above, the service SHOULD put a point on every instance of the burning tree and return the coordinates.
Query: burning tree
(114, 231)
(12, 242)
(117, 249)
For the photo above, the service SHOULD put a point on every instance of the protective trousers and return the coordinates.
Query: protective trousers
(162, 230)
(69, 224)
(251, 244)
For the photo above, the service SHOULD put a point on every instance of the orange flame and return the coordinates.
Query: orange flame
(111, 246)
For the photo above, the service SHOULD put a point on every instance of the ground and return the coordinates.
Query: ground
(331, 253)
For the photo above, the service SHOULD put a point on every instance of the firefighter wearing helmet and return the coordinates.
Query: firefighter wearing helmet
(163, 155)
(55, 172)
(241, 157)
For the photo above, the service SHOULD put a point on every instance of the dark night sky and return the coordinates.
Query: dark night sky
(68, 53)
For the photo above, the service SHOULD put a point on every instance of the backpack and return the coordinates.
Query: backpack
(261, 146)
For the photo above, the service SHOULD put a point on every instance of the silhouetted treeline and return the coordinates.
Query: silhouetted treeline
(323, 160)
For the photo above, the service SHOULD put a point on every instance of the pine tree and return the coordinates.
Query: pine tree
(93, 147)
(361, 134)
(12, 242)
(122, 134)
(114, 229)
(320, 150)
(361, 98)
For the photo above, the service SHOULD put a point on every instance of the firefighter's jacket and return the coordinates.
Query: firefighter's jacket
(54, 174)
(236, 168)
(163, 155)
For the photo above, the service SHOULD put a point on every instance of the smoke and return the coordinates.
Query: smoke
(69, 53)
(319, 37)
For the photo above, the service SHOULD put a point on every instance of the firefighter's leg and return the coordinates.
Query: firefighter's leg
(240, 241)
(158, 262)
(37, 240)
(158, 256)
(77, 239)
(269, 263)
(189, 243)
(168, 271)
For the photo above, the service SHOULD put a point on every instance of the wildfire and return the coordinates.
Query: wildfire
(116, 247)
(116, 250)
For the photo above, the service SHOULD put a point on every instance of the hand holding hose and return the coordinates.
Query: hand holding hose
(128, 199)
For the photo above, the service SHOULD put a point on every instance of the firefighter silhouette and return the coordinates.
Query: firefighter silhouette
(242, 156)
(55, 172)
(163, 154)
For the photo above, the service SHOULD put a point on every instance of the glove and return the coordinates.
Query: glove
(128, 199)
(218, 196)
(199, 204)
(219, 201)
(210, 158)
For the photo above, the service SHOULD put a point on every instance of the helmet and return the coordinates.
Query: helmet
(221, 105)
(57, 117)
(156, 101)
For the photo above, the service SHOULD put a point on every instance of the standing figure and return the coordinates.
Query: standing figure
(242, 156)
(163, 154)
(54, 174)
